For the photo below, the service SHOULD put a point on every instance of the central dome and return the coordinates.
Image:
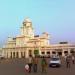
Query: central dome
(27, 20)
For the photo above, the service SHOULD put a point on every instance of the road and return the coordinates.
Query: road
(16, 67)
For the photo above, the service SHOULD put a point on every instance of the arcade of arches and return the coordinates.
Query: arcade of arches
(26, 52)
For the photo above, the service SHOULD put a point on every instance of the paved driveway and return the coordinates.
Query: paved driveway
(16, 67)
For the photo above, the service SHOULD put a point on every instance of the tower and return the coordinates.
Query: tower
(27, 29)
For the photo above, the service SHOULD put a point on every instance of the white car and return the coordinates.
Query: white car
(55, 62)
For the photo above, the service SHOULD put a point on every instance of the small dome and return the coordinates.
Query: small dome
(27, 20)
(45, 33)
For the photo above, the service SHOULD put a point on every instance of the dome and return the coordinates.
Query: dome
(45, 33)
(27, 20)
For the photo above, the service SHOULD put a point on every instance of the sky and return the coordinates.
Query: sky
(57, 17)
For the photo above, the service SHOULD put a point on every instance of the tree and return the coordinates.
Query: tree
(36, 52)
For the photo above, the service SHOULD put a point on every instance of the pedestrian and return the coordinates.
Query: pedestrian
(30, 63)
(35, 63)
(44, 65)
(65, 57)
(68, 61)
(73, 59)
(26, 68)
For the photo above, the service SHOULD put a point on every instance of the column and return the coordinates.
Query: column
(50, 52)
(63, 52)
(69, 51)
(45, 52)
(33, 53)
(27, 53)
(9, 54)
(6, 54)
(39, 51)
(19, 54)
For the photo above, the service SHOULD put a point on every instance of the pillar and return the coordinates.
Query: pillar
(39, 51)
(33, 53)
(9, 54)
(69, 51)
(19, 54)
(63, 52)
(27, 53)
(15, 55)
(50, 52)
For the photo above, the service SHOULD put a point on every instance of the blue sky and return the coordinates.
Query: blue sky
(57, 17)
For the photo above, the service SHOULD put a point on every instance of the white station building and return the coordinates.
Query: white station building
(27, 43)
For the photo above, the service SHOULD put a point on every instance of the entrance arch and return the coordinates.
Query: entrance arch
(22, 54)
(53, 52)
(13, 54)
(66, 52)
(17, 55)
(30, 53)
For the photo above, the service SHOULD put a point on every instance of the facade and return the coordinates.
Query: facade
(27, 43)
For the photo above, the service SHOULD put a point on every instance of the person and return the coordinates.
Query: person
(27, 68)
(30, 63)
(35, 62)
(44, 65)
(73, 59)
(68, 59)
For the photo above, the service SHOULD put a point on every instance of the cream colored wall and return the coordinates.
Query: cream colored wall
(34, 44)
(19, 42)
(28, 24)
(24, 31)
(44, 42)
(10, 43)
(22, 41)
(38, 43)
(30, 32)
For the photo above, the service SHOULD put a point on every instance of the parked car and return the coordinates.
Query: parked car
(55, 62)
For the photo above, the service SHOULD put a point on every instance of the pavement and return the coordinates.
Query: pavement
(16, 67)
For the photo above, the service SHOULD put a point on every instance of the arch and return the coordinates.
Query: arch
(66, 52)
(13, 54)
(53, 52)
(30, 53)
(17, 54)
